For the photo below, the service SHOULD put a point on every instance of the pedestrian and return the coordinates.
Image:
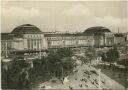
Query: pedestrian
(75, 78)
(43, 87)
(71, 88)
(80, 85)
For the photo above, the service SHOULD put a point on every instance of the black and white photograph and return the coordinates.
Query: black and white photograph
(64, 45)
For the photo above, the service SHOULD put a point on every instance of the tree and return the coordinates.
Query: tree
(104, 58)
(112, 55)
(64, 52)
(43, 68)
(90, 54)
(11, 75)
(61, 58)
(5, 80)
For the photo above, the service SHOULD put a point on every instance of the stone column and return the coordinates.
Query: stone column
(25, 43)
(35, 44)
(30, 42)
(39, 44)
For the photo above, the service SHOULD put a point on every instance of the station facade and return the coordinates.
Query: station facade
(28, 37)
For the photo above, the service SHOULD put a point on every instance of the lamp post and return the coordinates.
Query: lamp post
(62, 75)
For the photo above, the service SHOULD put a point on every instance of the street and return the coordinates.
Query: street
(84, 78)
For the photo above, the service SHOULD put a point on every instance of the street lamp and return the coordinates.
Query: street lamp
(62, 75)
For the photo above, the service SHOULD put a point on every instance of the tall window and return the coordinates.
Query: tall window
(32, 44)
(38, 44)
(28, 42)
(35, 40)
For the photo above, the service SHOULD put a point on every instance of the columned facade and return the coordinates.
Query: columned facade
(29, 37)
(34, 41)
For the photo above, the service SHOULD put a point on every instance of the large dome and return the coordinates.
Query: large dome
(26, 28)
(97, 29)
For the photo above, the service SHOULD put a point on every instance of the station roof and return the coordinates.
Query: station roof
(96, 30)
(26, 29)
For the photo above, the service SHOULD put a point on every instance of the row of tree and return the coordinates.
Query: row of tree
(19, 71)
(111, 55)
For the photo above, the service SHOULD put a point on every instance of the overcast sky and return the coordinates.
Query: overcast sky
(65, 16)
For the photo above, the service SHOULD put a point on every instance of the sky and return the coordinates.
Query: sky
(71, 16)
